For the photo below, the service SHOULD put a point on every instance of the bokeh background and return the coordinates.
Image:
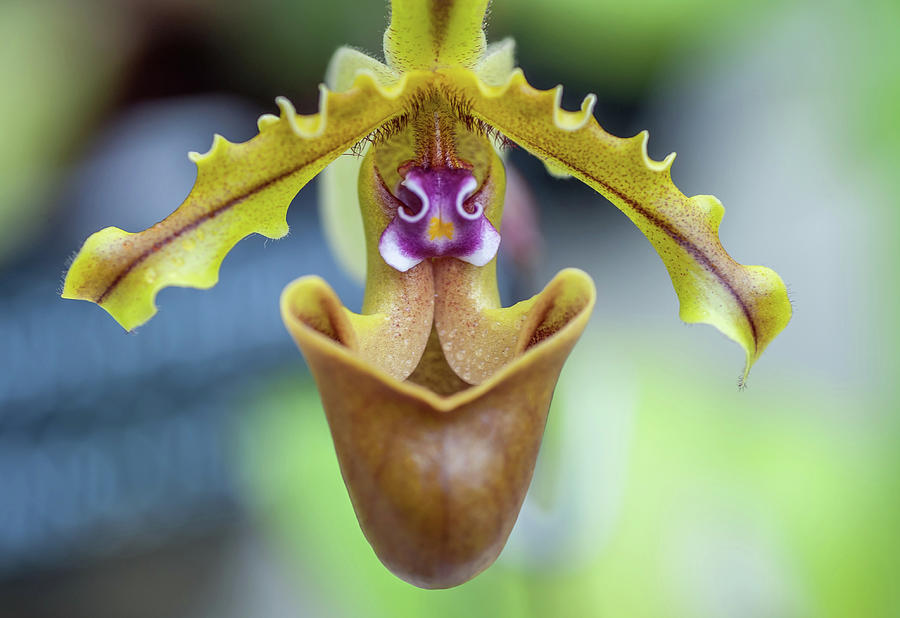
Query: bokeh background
(186, 470)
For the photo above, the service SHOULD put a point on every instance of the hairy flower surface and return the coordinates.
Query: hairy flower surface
(435, 394)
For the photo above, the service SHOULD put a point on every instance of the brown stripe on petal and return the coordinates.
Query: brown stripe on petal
(695, 252)
(440, 21)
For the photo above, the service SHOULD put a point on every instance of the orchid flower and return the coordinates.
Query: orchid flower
(436, 396)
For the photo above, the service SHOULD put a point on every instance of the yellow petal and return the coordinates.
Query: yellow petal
(427, 34)
(749, 304)
(240, 189)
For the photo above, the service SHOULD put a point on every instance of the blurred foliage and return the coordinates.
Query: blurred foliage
(872, 84)
(618, 46)
(55, 66)
(288, 44)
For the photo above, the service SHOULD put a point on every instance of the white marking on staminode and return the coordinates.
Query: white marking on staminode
(392, 252)
(490, 242)
(416, 188)
(464, 192)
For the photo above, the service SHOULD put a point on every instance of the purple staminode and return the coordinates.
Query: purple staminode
(433, 220)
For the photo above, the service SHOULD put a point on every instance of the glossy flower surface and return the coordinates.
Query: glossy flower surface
(436, 395)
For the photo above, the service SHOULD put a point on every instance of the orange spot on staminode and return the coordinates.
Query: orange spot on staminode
(438, 228)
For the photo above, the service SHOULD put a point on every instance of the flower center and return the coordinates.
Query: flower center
(440, 214)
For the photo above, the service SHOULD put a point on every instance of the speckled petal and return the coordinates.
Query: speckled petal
(424, 34)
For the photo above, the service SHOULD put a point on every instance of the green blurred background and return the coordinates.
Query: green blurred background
(661, 489)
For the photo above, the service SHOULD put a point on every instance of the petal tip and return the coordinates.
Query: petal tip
(657, 166)
(265, 121)
(572, 120)
(285, 106)
(218, 143)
